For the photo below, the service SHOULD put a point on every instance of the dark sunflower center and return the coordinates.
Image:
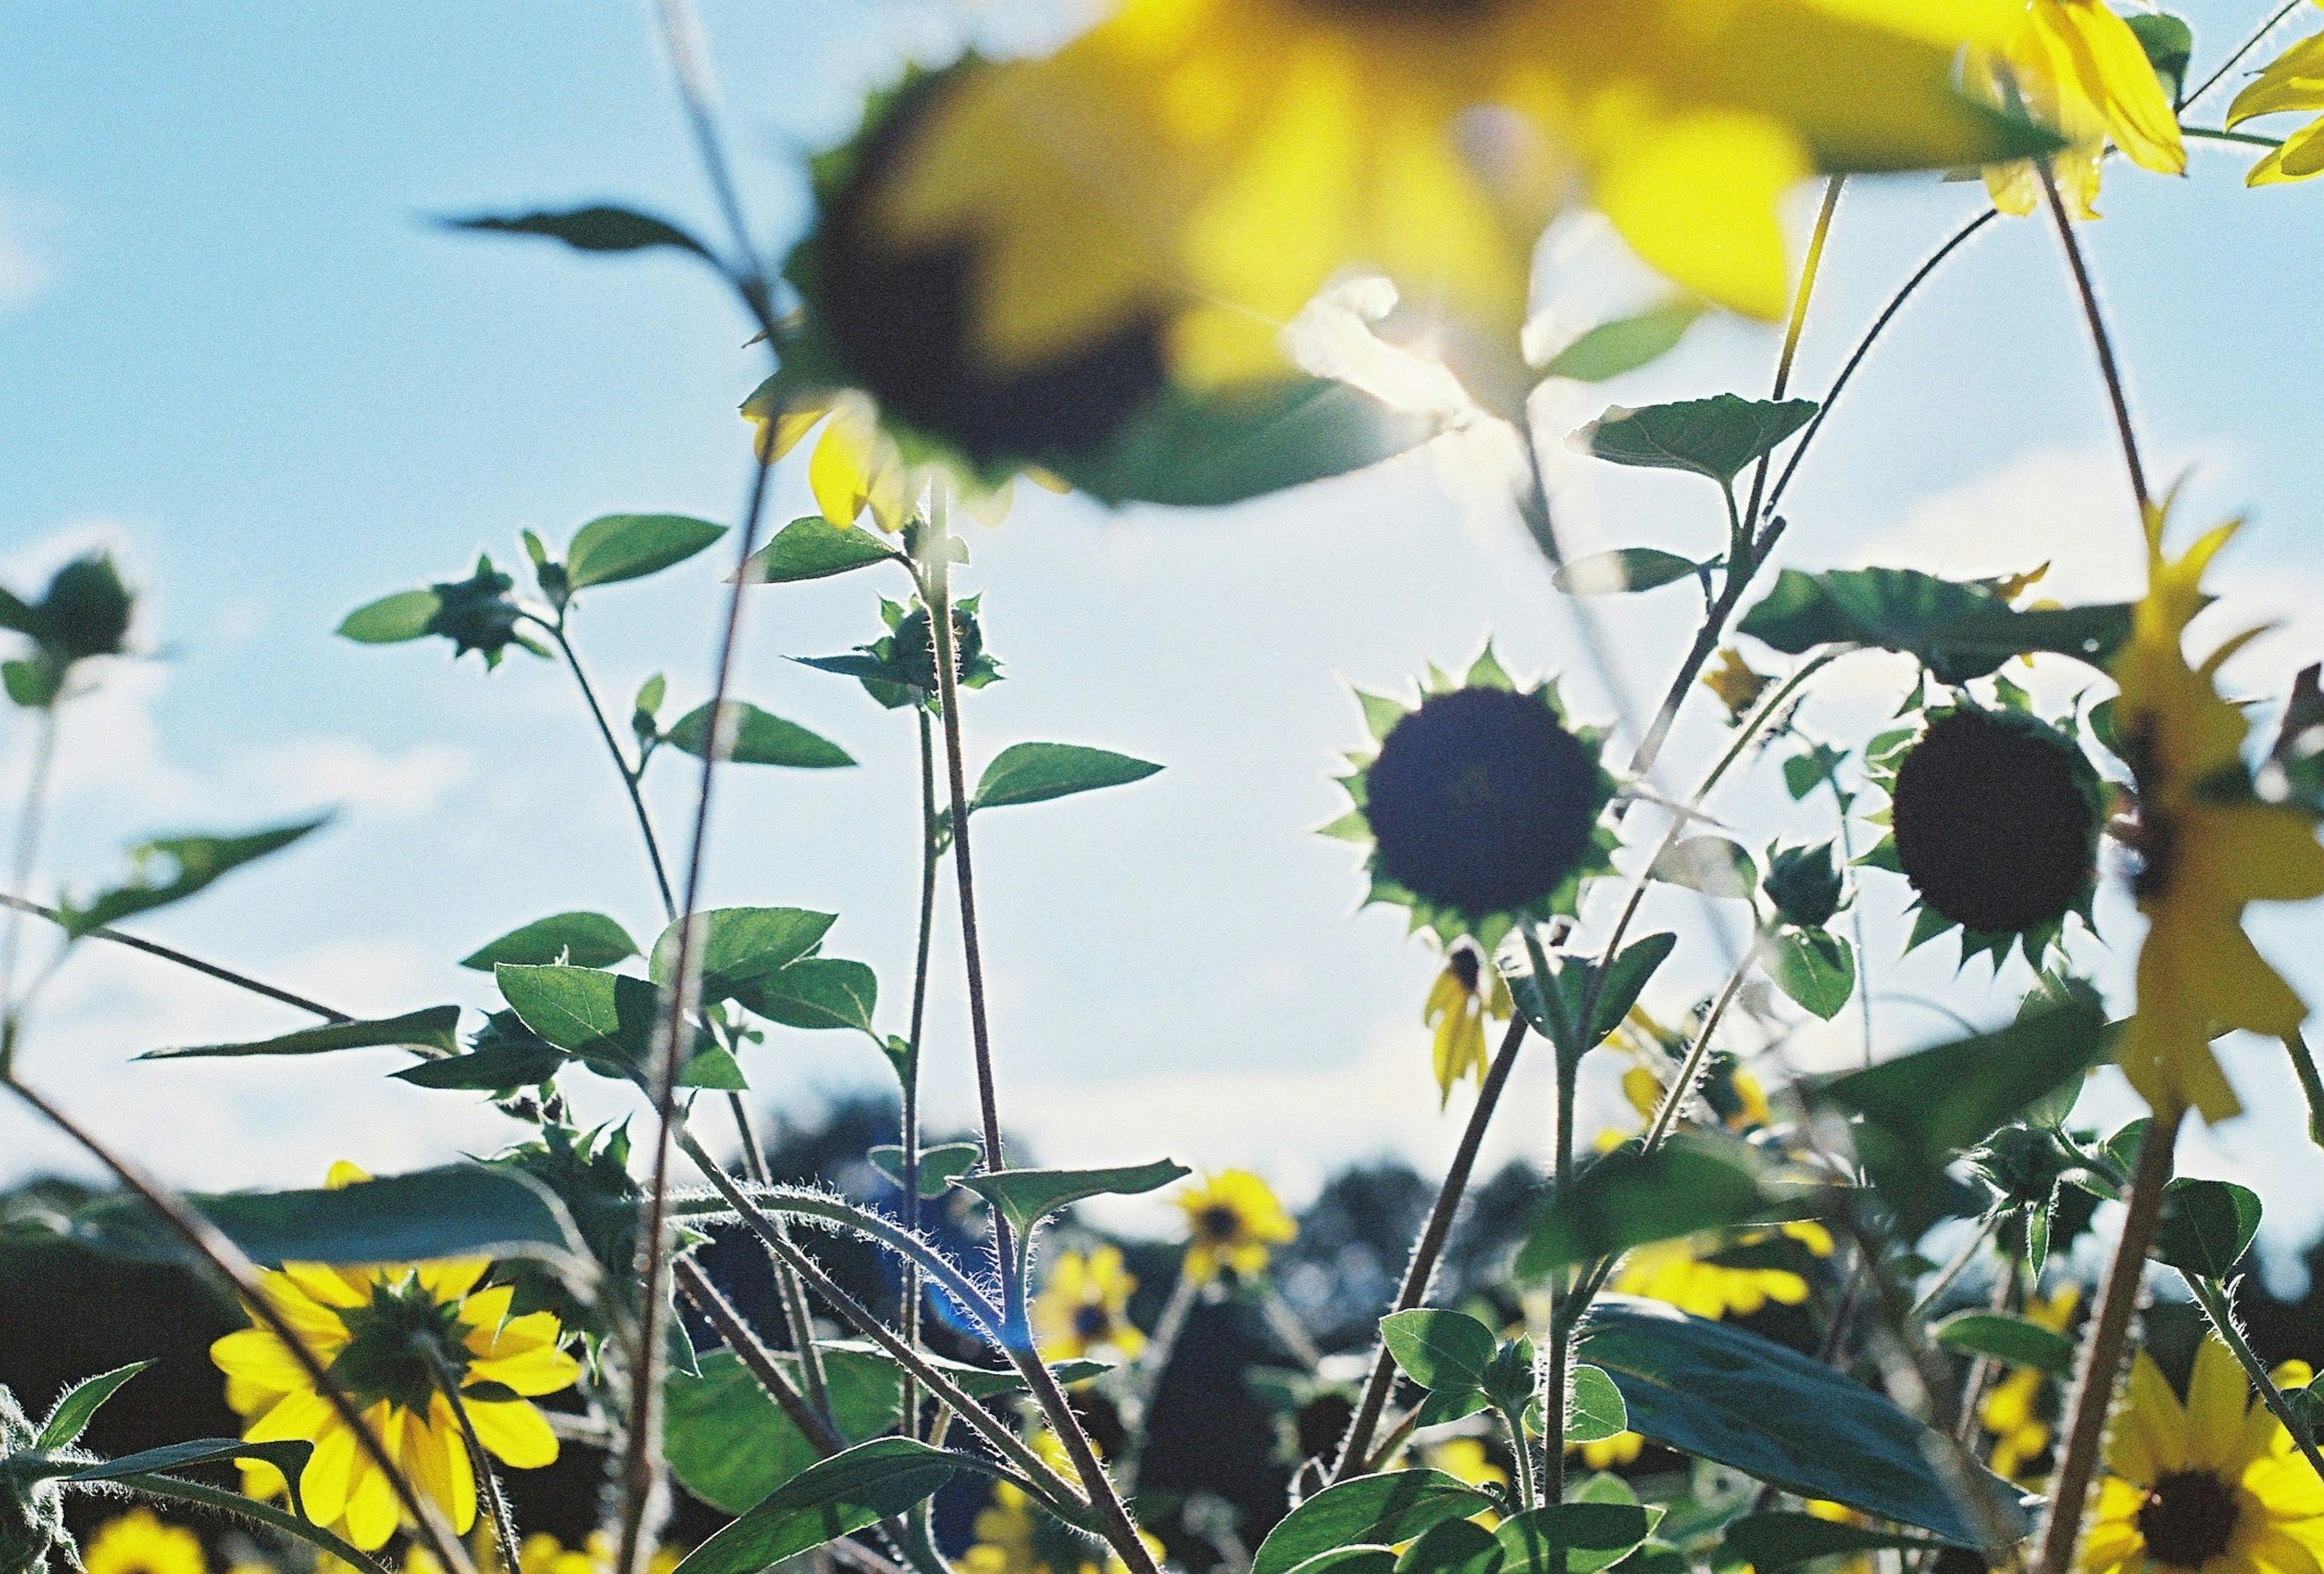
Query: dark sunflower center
(1466, 968)
(1994, 827)
(1481, 800)
(397, 1343)
(1218, 1224)
(2187, 1519)
(1092, 1321)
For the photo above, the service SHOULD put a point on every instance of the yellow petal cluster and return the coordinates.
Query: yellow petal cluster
(2011, 1412)
(1085, 1307)
(2207, 848)
(2218, 1471)
(2076, 65)
(2292, 81)
(1460, 1003)
(1680, 1273)
(1233, 1219)
(139, 1543)
(856, 467)
(1204, 166)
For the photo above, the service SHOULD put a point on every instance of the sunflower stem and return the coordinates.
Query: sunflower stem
(480, 1465)
(2220, 1312)
(234, 1506)
(2303, 1066)
(2219, 134)
(29, 821)
(2229, 64)
(1522, 1452)
(167, 954)
(630, 777)
(907, 1309)
(2104, 343)
(2103, 1348)
(1690, 1070)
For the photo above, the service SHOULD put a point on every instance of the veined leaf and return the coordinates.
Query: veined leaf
(731, 1445)
(1440, 1350)
(1025, 1197)
(601, 1018)
(1581, 1538)
(579, 939)
(621, 546)
(817, 993)
(1716, 436)
(430, 1030)
(1958, 629)
(940, 1166)
(829, 1499)
(1376, 1509)
(78, 1405)
(2206, 1226)
(1693, 1181)
(756, 737)
(1626, 569)
(1773, 1544)
(812, 548)
(2008, 1339)
(1625, 343)
(392, 619)
(170, 868)
(1815, 967)
(1554, 1011)
(737, 945)
(1033, 773)
(1595, 1410)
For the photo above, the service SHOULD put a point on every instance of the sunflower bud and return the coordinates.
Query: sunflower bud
(1805, 884)
(32, 1510)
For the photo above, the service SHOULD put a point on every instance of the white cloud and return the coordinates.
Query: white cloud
(22, 274)
(319, 772)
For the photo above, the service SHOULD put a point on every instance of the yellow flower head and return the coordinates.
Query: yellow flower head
(2077, 66)
(2215, 1485)
(1460, 1003)
(1736, 682)
(396, 1335)
(1232, 1220)
(1085, 1307)
(2293, 80)
(1681, 1272)
(2206, 846)
(1609, 1453)
(138, 1542)
(1174, 185)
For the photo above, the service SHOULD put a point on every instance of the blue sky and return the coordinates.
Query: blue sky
(237, 349)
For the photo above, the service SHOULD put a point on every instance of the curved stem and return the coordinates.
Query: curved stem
(2249, 44)
(480, 1466)
(1690, 1070)
(2303, 1066)
(1420, 1268)
(154, 948)
(2099, 336)
(2220, 134)
(778, 1200)
(234, 1506)
(798, 1318)
(2102, 1349)
(630, 777)
(2212, 1297)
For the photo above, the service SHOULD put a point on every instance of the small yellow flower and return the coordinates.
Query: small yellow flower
(1736, 682)
(1467, 1459)
(1608, 1453)
(138, 1542)
(1680, 1273)
(2207, 847)
(395, 1334)
(1460, 1003)
(2293, 80)
(1086, 1306)
(857, 466)
(2011, 1411)
(1012, 1539)
(1232, 1220)
(2213, 1485)
(2076, 65)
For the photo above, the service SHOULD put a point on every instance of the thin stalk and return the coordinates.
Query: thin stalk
(1796, 327)
(2220, 134)
(2102, 1349)
(2249, 44)
(233, 1506)
(1288, 1327)
(2099, 338)
(1955, 1265)
(798, 1318)
(1522, 1452)
(777, 1202)
(29, 821)
(2221, 1314)
(1553, 1421)
(480, 1466)
(227, 1259)
(1420, 1268)
(1397, 1436)
(640, 1468)
(168, 954)
(630, 777)
(1690, 1070)
(907, 1309)
(2303, 1066)
(690, 60)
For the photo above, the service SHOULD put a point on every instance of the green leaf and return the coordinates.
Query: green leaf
(812, 548)
(289, 1456)
(715, 1069)
(2169, 45)
(1381, 1509)
(817, 993)
(455, 1210)
(577, 939)
(1773, 1544)
(1709, 864)
(2206, 1226)
(1351, 1560)
(619, 547)
(731, 1445)
(1202, 450)
(1025, 1197)
(2008, 1339)
(829, 1499)
(1626, 569)
(392, 619)
(598, 228)
(737, 946)
(1581, 1538)
(1457, 1546)
(977, 1382)
(1033, 773)
(1694, 1182)
(488, 1068)
(1625, 343)
(1958, 629)
(601, 1018)
(1440, 1350)
(940, 1166)
(1715, 436)
(170, 868)
(430, 1030)
(1815, 967)
(1922, 1110)
(1718, 1392)
(78, 1405)
(1554, 1011)
(1594, 1412)
(756, 737)
(34, 682)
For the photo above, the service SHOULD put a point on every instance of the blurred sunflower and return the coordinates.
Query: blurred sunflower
(2013, 1411)
(858, 465)
(1482, 807)
(397, 1336)
(2077, 66)
(1013, 1538)
(2213, 1485)
(1085, 1307)
(1736, 683)
(1232, 1220)
(138, 1542)
(1176, 183)
(1609, 1453)
(1687, 1274)
(1460, 1003)
(2206, 847)
(2293, 80)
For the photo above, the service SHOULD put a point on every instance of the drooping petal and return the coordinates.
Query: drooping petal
(515, 1433)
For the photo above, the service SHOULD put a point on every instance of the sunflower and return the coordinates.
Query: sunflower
(2013, 1412)
(1737, 684)
(2206, 846)
(1609, 1453)
(2215, 1485)
(2293, 80)
(1011, 1538)
(1686, 1274)
(859, 464)
(138, 1542)
(2077, 66)
(1172, 186)
(1233, 1219)
(1459, 1005)
(1483, 809)
(1085, 1307)
(396, 1336)
(1994, 819)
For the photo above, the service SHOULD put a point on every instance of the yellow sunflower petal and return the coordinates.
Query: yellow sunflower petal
(2216, 1394)
(2293, 80)
(2148, 1439)
(2301, 158)
(515, 1433)
(1696, 197)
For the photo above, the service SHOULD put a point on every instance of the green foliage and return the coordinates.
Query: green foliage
(596, 228)
(2169, 45)
(1709, 864)
(741, 945)
(619, 547)
(1693, 1181)
(1624, 568)
(819, 993)
(1369, 1509)
(754, 737)
(829, 1499)
(1805, 885)
(1025, 1197)
(1958, 630)
(170, 868)
(1775, 1543)
(429, 1031)
(1594, 1410)
(812, 548)
(78, 1405)
(2007, 1337)
(2206, 1226)
(85, 612)
(1815, 967)
(1580, 1538)
(939, 1167)
(580, 939)
(1625, 343)
(1555, 1010)
(1033, 773)
(1718, 436)
(731, 1445)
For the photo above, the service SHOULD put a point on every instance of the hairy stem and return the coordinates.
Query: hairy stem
(168, 954)
(480, 1466)
(907, 1136)
(2249, 44)
(2220, 1312)
(29, 821)
(2303, 1066)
